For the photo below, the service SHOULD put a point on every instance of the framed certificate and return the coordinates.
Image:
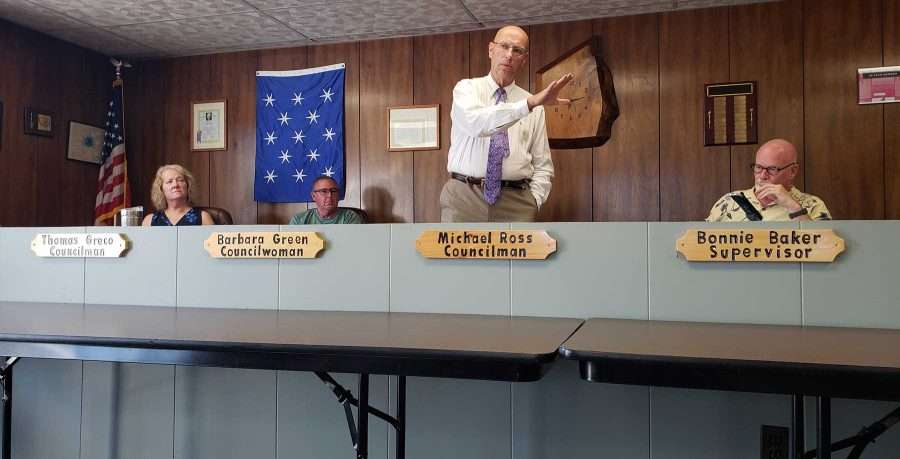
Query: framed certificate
(208, 126)
(414, 127)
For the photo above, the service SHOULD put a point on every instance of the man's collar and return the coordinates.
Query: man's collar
(494, 85)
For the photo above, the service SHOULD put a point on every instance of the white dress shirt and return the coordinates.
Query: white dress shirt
(475, 117)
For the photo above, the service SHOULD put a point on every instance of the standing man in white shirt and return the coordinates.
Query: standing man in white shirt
(499, 159)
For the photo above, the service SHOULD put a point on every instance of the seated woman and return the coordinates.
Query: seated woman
(171, 195)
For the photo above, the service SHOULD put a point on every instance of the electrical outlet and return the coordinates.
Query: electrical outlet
(774, 442)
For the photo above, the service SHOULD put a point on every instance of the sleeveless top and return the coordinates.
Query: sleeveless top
(191, 217)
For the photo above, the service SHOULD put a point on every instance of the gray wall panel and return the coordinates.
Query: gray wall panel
(128, 411)
(26, 277)
(204, 281)
(419, 284)
(151, 261)
(454, 418)
(719, 292)
(311, 422)
(351, 274)
(702, 424)
(46, 413)
(224, 413)
(562, 416)
(597, 271)
(861, 287)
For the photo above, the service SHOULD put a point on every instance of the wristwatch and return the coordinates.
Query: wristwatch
(798, 213)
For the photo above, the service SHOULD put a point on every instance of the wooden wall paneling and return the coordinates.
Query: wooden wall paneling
(19, 189)
(626, 169)
(387, 177)
(50, 152)
(439, 62)
(74, 201)
(186, 80)
(7, 58)
(232, 170)
(347, 53)
(277, 59)
(693, 52)
(767, 46)
(891, 17)
(146, 108)
(572, 193)
(844, 140)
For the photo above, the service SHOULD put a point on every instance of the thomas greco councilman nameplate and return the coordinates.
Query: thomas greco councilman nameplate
(79, 245)
(251, 244)
(778, 245)
(491, 245)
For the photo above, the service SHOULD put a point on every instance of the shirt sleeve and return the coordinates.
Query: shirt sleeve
(477, 120)
(296, 219)
(818, 211)
(541, 160)
(352, 217)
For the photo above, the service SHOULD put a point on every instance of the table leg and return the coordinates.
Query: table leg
(6, 365)
(401, 417)
(823, 427)
(798, 427)
(362, 446)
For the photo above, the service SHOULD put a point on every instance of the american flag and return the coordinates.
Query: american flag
(112, 184)
(299, 132)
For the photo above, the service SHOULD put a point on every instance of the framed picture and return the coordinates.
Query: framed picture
(208, 126)
(414, 127)
(38, 122)
(85, 142)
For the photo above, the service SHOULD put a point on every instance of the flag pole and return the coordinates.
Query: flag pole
(118, 82)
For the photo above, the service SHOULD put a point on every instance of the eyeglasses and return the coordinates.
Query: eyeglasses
(772, 170)
(517, 51)
(326, 191)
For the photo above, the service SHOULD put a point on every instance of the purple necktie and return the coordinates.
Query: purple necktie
(498, 150)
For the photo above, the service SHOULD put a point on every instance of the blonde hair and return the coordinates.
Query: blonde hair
(156, 192)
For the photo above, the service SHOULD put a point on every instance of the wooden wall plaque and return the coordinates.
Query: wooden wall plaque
(264, 244)
(729, 114)
(486, 245)
(774, 245)
(587, 121)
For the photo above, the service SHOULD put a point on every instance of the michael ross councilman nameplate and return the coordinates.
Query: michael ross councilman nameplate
(779, 245)
(252, 244)
(493, 245)
(79, 245)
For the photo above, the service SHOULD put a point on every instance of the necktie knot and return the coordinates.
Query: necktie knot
(499, 95)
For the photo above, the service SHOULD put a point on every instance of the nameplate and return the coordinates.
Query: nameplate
(251, 244)
(778, 245)
(79, 245)
(490, 245)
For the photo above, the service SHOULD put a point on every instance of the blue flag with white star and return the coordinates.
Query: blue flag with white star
(299, 132)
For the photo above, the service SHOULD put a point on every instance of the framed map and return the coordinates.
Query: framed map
(587, 121)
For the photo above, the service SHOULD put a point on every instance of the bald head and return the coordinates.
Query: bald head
(781, 154)
(508, 52)
(511, 32)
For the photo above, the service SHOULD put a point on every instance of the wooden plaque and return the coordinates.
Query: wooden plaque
(729, 114)
(773, 245)
(486, 245)
(264, 244)
(586, 122)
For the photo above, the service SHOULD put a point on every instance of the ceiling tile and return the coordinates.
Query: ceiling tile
(35, 17)
(507, 10)
(118, 12)
(104, 42)
(281, 4)
(373, 16)
(209, 32)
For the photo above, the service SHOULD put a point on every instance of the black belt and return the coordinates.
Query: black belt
(520, 184)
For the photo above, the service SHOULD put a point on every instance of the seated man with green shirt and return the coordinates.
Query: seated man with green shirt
(773, 197)
(326, 194)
